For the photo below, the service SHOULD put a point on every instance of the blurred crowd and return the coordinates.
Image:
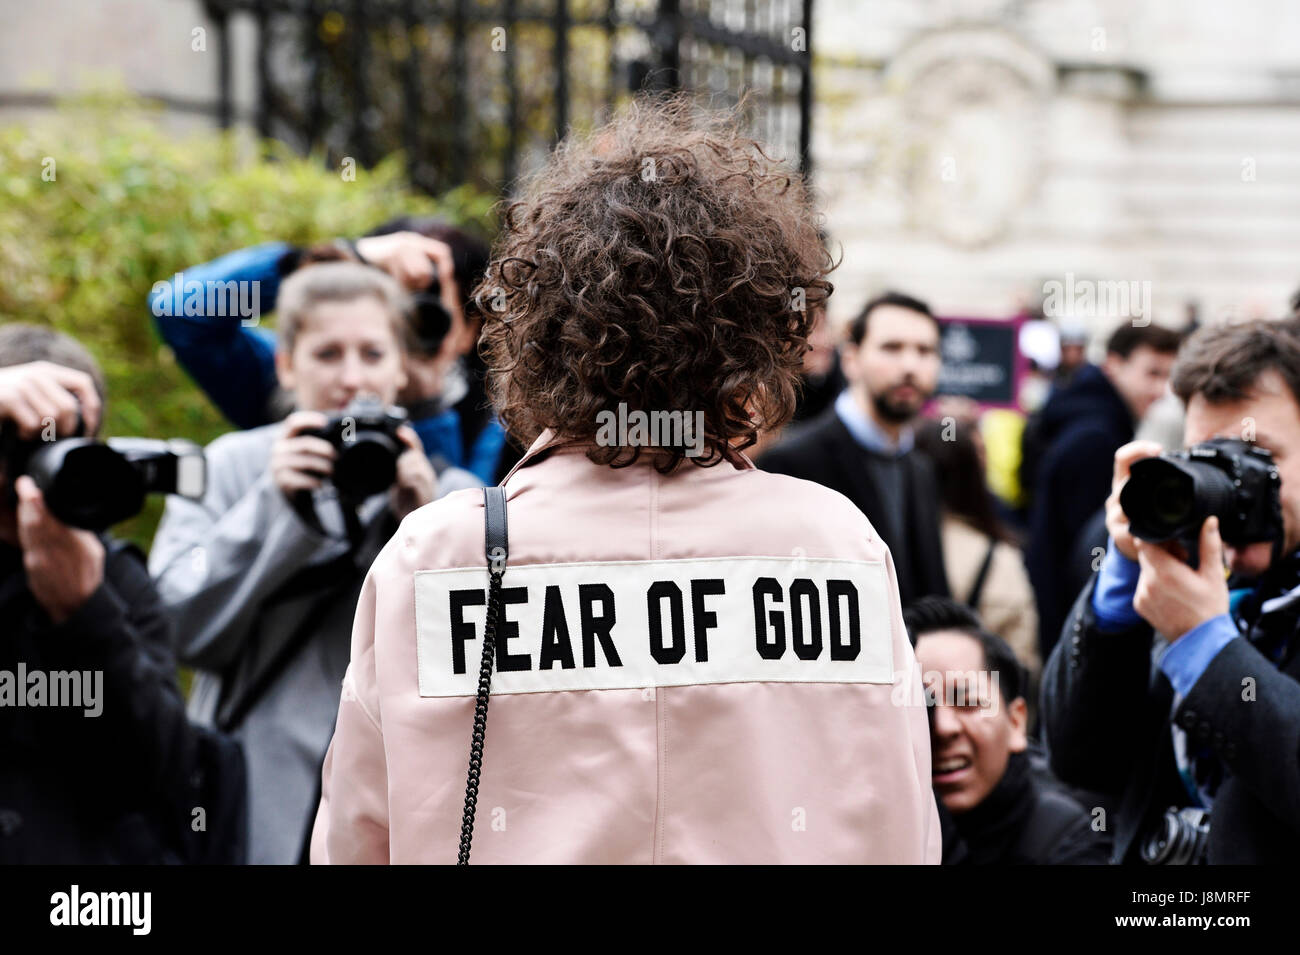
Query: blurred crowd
(1111, 709)
(1123, 729)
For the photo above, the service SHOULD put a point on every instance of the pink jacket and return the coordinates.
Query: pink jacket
(705, 667)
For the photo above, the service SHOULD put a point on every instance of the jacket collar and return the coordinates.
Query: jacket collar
(548, 443)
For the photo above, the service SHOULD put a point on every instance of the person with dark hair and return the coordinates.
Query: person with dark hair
(672, 680)
(984, 564)
(1176, 690)
(231, 356)
(862, 445)
(823, 377)
(100, 763)
(1077, 435)
(1003, 813)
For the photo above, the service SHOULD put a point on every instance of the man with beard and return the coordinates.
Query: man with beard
(862, 445)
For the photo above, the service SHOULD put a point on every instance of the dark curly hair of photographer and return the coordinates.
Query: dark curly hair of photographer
(664, 261)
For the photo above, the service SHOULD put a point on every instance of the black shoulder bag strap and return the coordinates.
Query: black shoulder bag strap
(496, 548)
(977, 589)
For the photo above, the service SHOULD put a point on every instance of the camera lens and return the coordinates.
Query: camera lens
(1179, 837)
(1172, 502)
(366, 466)
(1166, 498)
(87, 484)
(432, 322)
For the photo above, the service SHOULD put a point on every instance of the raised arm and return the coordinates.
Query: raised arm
(210, 316)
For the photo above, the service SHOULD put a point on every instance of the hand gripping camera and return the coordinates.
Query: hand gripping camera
(95, 484)
(1169, 497)
(365, 436)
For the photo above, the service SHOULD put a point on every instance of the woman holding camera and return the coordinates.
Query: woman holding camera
(261, 577)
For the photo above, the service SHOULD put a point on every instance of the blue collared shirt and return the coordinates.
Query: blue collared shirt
(1187, 657)
(869, 434)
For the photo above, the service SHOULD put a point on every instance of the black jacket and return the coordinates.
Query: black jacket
(123, 786)
(1080, 430)
(1107, 710)
(823, 450)
(1025, 822)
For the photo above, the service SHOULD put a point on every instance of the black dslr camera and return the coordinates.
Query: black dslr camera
(1169, 497)
(95, 484)
(365, 436)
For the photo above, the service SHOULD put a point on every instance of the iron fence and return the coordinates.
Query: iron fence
(477, 90)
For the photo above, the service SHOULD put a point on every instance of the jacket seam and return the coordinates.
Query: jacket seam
(361, 705)
(661, 729)
(661, 774)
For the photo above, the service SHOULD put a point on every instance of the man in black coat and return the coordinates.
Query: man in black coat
(1169, 691)
(996, 808)
(100, 764)
(862, 445)
(1069, 449)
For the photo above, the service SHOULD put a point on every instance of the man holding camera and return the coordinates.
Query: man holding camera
(100, 763)
(1168, 689)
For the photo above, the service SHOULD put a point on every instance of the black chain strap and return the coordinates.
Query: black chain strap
(480, 716)
(495, 549)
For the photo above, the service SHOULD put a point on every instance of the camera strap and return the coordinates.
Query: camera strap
(304, 503)
(496, 548)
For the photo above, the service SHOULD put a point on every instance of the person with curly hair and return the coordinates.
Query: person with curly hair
(690, 660)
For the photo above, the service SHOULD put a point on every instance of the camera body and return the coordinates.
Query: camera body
(1169, 497)
(365, 436)
(95, 484)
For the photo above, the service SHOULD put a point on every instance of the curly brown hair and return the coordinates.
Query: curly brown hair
(663, 261)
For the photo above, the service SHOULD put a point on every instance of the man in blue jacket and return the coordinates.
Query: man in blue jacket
(210, 316)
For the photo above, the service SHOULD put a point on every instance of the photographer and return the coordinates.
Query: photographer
(114, 776)
(261, 577)
(233, 360)
(1168, 689)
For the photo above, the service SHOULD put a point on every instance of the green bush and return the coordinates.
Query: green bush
(99, 201)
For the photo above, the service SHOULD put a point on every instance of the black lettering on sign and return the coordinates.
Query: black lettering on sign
(597, 627)
(507, 630)
(835, 589)
(555, 633)
(774, 648)
(461, 631)
(674, 652)
(704, 619)
(802, 588)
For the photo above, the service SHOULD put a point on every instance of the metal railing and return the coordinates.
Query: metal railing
(477, 90)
